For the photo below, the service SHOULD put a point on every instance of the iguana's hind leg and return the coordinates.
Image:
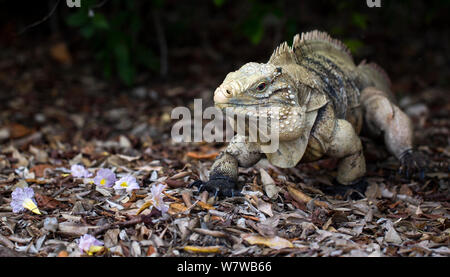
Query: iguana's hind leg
(384, 117)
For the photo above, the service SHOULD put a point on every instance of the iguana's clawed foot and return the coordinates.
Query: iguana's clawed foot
(412, 162)
(219, 185)
(355, 191)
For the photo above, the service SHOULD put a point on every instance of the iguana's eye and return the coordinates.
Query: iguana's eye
(261, 86)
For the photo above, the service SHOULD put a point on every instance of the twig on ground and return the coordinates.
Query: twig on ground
(40, 21)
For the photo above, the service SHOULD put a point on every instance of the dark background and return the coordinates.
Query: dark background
(142, 41)
(151, 56)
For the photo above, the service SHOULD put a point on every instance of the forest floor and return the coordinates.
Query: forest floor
(53, 116)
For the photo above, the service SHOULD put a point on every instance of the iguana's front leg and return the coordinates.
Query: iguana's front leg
(346, 146)
(224, 171)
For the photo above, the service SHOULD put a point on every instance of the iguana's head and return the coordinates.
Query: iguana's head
(255, 84)
(263, 90)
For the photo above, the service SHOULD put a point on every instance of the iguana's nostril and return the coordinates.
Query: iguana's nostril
(222, 95)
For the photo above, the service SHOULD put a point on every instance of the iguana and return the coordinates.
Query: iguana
(324, 101)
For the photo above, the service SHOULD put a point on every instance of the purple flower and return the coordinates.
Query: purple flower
(157, 198)
(22, 198)
(90, 244)
(78, 171)
(127, 182)
(105, 177)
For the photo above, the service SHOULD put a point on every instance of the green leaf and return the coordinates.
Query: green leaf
(121, 52)
(77, 19)
(87, 31)
(135, 25)
(359, 20)
(354, 45)
(337, 31)
(257, 35)
(107, 69)
(126, 73)
(146, 58)
(291, 29)
(219, 3)
(253, 29)
(99, 21)
(158, 3)
(123, 63)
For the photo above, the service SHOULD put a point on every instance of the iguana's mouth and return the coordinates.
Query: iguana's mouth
(236, 104)
(226, 105)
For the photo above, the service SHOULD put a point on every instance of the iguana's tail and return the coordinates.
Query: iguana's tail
(374, 75)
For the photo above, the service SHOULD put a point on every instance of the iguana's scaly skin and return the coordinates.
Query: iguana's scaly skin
(324, 101)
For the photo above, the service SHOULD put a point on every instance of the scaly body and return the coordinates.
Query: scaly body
(322, 100)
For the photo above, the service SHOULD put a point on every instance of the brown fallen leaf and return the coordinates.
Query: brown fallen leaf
(254, 218)
(272, 242)
(135, 196)
(6, 242)
(40, 169)
(204, 196)
(265, 230)
(40, 155)
(128, 158)
(217, 218)
(38, 181)
(217, 234)
(75, 229)
(170, 196)
(63, 253)
(404, 189)
(176, 208)
(175, 183)
(180, 175)
(373, 191)
(205, 206)
(151, 250)
(21, 159)
(17, 130)
(200, 156)
(269, 185)
(202, 249)
(186, 196)
(144, 206)
(61, 54)
(391, 235)
(127, 205)
(303, 198)
(47, 202)
(264, 207)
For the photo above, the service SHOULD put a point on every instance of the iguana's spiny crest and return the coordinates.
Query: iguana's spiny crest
(283, 55)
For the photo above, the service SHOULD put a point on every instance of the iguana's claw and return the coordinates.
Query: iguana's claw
(219, 185)
(195, 183)
(413, 161)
